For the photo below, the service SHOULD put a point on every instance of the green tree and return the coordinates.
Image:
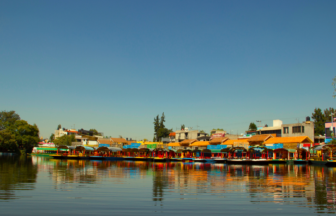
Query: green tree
(26, 136)
(65, 140)
(252, 126)
(156, 127)
(8, 119)
(8, 141)
(95, 132)
(160, 129)
(59, 127)
(319, 121)
(182, 127)
(327, 113)
(52, 137)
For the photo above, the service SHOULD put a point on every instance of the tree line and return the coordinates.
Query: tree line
(16, 134)
(320, 118)
(160, 130)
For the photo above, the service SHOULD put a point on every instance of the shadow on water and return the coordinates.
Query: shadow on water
(16, 173)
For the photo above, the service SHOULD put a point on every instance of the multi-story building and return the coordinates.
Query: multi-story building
(279, 129)
(185, 134)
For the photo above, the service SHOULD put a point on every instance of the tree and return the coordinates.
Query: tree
(59, 127)
(26, 135)
(17, 134)
(162, 121)
(252, 126)
(95, 132)
(156, 126)
(8, 119)
(182, 127)
(52, 137)
(160, 129)
(8, 141)
(327, 113)
(319, 121)
(65, 140)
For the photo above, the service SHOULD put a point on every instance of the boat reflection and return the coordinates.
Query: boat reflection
(301, 185)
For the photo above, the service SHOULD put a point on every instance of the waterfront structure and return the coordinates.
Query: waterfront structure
(258, 139)
(186, 134)
(289, 143)
(236, 143)
(113, 142)
(279, 129)
(218, 140)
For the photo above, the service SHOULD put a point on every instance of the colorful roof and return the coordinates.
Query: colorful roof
(218, 140)
(118, 140)
(259, 138)
(298, 139)
(188, 141)
(231, 142)
(200, 143)
(105, 141)
(173, 144)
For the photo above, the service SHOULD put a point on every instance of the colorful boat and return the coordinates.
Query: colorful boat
(301, 156)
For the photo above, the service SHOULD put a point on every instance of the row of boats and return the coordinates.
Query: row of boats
(233, 155)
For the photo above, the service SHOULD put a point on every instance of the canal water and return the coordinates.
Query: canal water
(43, 186)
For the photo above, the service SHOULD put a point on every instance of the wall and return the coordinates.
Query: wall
(308, 130)
(290, 145)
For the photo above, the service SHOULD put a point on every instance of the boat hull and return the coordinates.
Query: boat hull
(300, 161)
(114, 158)
(260, 161)
(318, 163)
(58, 156)
(204, 160)
(238, 161)
(223, 160)
(277, 161)
(161, 159)
(331, 163)
(97, 158)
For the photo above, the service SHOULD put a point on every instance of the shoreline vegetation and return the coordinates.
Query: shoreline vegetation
(17, 135)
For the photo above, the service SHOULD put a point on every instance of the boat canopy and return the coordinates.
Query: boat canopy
(86, 148)
(114, 149)
(103, 148)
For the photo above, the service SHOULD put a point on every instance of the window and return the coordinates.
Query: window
(285, 130)
(302, 130)
(296, 129)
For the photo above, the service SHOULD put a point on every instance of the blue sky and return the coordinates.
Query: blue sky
(115, 65)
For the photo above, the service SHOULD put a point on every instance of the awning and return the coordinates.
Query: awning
(114, 149)
(291, 150)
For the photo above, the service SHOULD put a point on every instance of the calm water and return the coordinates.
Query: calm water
(37, 185)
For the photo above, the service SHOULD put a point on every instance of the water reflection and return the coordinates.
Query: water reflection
(312, 187)
(16, 173)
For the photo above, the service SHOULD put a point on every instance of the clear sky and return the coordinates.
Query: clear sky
(115, 65)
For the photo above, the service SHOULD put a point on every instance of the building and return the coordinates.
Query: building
(289, 130)
(60, 132)
(298, 129)
(289, 142)
(185, 134)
